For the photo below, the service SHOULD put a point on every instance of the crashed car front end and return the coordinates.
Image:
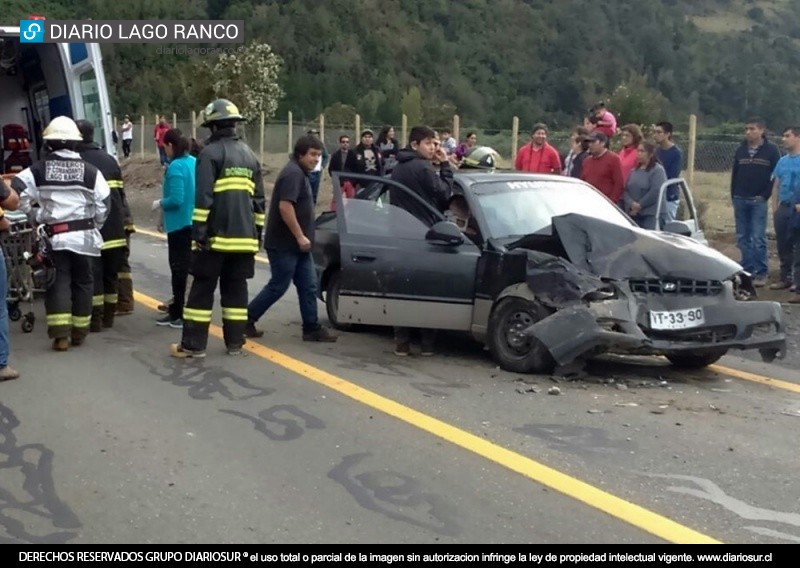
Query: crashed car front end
(624, 324)
(632, 292)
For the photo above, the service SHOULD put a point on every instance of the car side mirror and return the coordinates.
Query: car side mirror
(679, 228)
(445, 233)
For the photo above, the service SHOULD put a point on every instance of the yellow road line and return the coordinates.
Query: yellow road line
(756, 378)
(163, 237)
(621, 509)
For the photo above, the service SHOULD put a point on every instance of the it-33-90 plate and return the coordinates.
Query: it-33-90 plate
(677, 319)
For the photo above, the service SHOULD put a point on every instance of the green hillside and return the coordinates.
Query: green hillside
(488, 60)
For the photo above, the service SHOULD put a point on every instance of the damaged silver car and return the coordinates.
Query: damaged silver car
(543, 269)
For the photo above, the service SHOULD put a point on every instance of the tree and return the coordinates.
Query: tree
(411, 105)
(634, 102)
(249, 78)
(340, 115)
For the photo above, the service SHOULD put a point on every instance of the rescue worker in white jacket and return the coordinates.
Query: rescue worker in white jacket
(72, 196)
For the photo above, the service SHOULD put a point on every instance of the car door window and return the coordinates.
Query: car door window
(372, 213)
(381, 218)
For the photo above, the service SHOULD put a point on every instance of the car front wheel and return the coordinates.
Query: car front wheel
(514, 350)
(696, 359)
(332, 302)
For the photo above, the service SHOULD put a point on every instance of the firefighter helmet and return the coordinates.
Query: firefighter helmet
(220, 109)
(481, 157)
(62, 128)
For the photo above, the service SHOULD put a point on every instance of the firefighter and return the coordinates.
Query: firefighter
(73, 198)
(227, 226)
(125, 280)
(107, 266)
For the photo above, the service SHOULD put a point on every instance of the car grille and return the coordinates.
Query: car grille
(714, 334)
(676, 287)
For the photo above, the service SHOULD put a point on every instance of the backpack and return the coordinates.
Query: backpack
(15, 137)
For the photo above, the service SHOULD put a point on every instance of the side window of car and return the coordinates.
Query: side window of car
(377, 215)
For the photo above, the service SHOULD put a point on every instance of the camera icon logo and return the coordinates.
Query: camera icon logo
(31, 31)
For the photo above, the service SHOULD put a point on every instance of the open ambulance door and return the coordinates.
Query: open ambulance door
(86, 81)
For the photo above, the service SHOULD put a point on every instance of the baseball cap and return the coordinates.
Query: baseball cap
(312, 131)
(596, 135)
(367, 131)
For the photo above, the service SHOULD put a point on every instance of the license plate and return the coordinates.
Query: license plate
(677, 319)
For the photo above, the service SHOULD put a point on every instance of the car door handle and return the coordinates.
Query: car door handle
(362, 257)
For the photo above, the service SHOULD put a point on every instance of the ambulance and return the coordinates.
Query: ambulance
(39, 81)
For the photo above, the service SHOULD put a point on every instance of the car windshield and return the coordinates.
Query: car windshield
(516, 208)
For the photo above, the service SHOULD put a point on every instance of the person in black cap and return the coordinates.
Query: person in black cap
(368, 157)
(603, 168)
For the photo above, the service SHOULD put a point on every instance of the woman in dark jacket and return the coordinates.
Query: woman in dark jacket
(388, 147)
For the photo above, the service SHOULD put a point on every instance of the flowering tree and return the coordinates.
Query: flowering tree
(249, 78)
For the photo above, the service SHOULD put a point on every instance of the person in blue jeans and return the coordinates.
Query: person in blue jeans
(8, 200)
(786, 208)
(287, 239)
(751, 187)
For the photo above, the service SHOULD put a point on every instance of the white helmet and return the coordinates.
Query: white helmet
(62, 128)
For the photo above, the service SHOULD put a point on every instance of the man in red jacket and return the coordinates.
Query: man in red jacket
(538, 156)
(602, 168)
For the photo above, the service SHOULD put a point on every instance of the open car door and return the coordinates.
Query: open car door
(395, 269)
(688, 223)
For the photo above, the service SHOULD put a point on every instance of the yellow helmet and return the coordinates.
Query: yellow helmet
(62, 128)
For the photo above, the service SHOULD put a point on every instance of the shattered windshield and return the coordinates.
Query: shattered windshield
(516, 208)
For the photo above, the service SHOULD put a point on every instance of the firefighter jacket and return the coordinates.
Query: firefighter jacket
(229, 200)
(113, 230)
(68, 190)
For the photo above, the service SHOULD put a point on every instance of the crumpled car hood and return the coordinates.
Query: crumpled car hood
(613, 251)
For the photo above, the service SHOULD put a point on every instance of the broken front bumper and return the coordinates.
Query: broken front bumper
(622, 325)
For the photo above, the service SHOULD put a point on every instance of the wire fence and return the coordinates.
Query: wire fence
(713, 152)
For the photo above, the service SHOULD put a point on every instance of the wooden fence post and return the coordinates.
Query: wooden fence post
(141, 136)
(358, 129)
(404, 130)
(261, 139)
(322, 127)
(194, 124)
(514, 138)
(174, 120)
(692, 149)
(457, 128)
(290, 133)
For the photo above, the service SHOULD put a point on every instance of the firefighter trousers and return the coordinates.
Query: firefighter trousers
(68, 302)
(106, 270)
(232, 270)
(125, 282)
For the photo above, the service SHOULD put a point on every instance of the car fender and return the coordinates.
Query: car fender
(520, 290)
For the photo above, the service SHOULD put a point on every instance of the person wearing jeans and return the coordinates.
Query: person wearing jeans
(177, 204)
(785, 199)
(8, 200)
(287, 238)
(751, 187)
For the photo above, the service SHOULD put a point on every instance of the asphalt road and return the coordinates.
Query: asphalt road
(115, 442)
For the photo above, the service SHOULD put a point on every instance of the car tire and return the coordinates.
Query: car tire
(332, 302)
(513, 351)
(695, 359)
